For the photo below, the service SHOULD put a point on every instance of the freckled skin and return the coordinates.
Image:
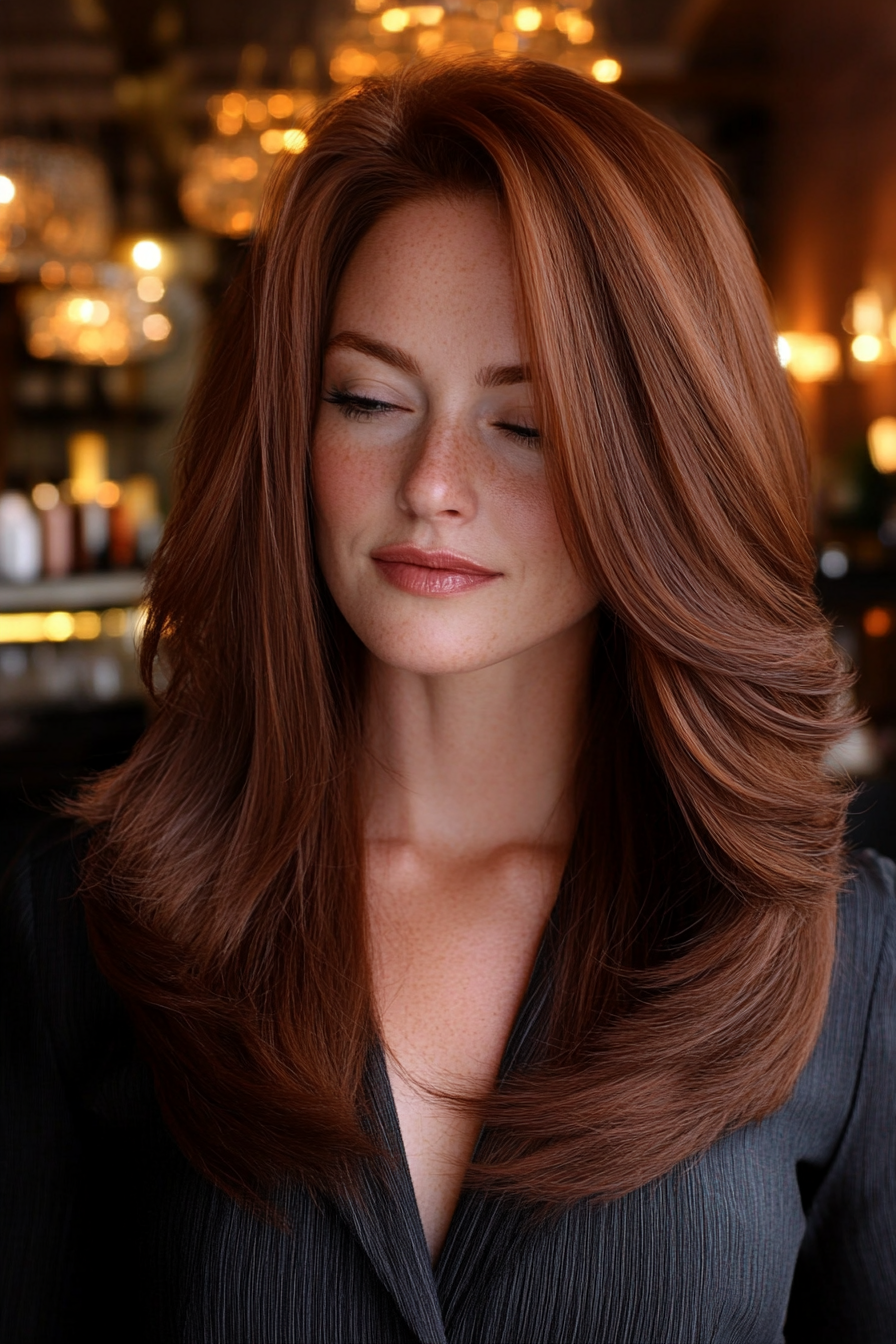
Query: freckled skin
(476, 699)
(434, 279)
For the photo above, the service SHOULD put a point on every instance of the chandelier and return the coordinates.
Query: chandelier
(55, 205)
(381, 37)
(222, 187)
(103, 314)
(223, 184)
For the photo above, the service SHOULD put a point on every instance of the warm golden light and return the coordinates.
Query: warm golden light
(156, 327)
(233, 104)
(7, 189)
(865, 313)
(256, 112)
(866, 348)
(505, 43)
(877, 622)
(567, 18)
(92, 311)
(527, 19)
(88, 464)
(271, 141)
(87, 625)
(395, 20)
(809, 357)
(241, 222)
(294, 141)
(52, 274)
(21, 627)
(84, 326)
(140, 497)
(146, 254)
(244, 168)
(349, 63)
(581, 32)
(228, 125)
(150, 288)
(36, 627)
(58, 626)
(606, 70)
(882, 443)
(367, 6)
(115, 622)
(80, 310)
(429, 41)
(108, 493)
(280, 105)
(428, 15)
(45, 496)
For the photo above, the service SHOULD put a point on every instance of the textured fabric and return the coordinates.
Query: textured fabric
(108, 1235)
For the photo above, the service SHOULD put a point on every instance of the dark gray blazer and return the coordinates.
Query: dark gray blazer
(110, 1237)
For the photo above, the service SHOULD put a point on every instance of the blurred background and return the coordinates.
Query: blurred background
(135, 140)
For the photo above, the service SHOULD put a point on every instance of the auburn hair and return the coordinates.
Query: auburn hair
(693, 935)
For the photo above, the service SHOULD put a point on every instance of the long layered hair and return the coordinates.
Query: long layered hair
(695, 922)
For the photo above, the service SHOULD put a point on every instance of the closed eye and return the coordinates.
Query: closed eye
(523, 433)
(355, 407)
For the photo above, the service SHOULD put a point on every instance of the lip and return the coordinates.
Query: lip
(435, 573)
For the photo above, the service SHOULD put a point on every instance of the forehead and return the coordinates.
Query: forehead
(437, 265)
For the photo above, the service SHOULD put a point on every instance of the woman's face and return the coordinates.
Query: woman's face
(435, 528)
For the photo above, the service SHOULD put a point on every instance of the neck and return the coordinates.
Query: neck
(466, 763)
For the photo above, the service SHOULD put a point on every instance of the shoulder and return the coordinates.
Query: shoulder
(48, 970)
(866, 934)
(856, 1051)
(42, 919)
(844, 1286)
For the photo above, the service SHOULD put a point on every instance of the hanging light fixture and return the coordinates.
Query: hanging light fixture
(105, 314)
(222, 187)
(381, 37)
(55, 205)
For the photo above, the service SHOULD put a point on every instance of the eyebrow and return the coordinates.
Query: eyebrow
(492, 375)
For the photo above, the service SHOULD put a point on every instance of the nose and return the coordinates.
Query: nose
(439, 475)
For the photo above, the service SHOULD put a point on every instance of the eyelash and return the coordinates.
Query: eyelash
(364, 409)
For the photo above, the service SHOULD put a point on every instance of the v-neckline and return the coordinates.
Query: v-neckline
(519, 1038)
(386, 1217)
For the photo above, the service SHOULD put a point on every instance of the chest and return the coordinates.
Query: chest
(451, 956)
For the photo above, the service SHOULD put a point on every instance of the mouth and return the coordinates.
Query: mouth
(430, 573)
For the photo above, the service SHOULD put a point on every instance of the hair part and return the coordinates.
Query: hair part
(692, 940)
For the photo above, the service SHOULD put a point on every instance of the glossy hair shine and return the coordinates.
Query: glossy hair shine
(693, 935)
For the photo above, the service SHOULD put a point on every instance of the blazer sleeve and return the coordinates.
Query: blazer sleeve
(40, 1148)
(845, 1283)
(77, 1117)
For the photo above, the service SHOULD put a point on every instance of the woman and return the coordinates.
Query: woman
(468, 915)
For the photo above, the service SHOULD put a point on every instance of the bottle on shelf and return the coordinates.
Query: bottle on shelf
(57, 520)
(21, 550)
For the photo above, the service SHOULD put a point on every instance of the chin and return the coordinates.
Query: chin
(434, 662)
(433, 654)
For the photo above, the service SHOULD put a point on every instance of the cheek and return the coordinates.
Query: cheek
(348, 487)
(529, 521)
(533, 532)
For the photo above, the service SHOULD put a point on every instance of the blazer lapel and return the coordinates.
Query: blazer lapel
(386, 1220)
